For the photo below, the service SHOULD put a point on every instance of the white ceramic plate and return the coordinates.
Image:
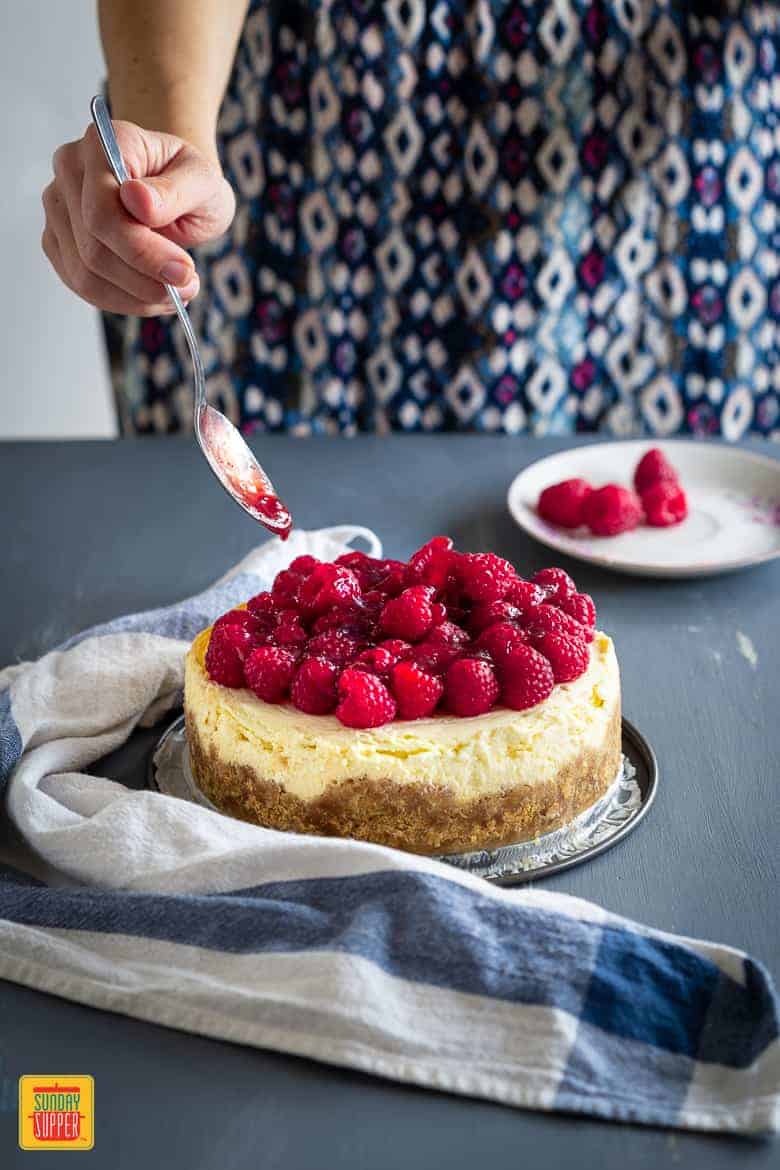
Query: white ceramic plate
(733, 501)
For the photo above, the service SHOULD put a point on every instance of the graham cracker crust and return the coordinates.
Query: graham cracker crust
(420, 817)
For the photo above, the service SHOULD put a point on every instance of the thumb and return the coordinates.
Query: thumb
(187, 185)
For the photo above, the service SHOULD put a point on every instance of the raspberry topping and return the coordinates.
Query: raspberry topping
(327, 585)
(372, 640)
(431, 564)
(549, 619)
(499, 640)
(410, 615)
(652, 468)
(568, 657)
(377, 661)
(334, 645)
(611, 510)
(563, 503)
(417, 692)
(471, 687)
(269, 672)
(526, 678)
(581, 607)
(314, 686)
(229, 645)
(556, 583)
(484, 576)
(665, 503)
(364, 700)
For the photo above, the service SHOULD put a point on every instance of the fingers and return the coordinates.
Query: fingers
(107, 220)
(116, 246)
(100, 260)
(59, 245)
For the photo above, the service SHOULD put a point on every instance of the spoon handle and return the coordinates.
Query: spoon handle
(105, 129)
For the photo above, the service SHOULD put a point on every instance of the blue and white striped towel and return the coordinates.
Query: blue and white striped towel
(344, 952)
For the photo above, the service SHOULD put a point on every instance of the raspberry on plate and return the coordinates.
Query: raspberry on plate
(471, 687)
(364, 700)
(526, 678)
(417, 693)
(562, 503)
(269, 672)
(665, 503)
(314, 686)
(652, 468)
(611, 510)
(568, 656)
(229, 647)
(410, 615)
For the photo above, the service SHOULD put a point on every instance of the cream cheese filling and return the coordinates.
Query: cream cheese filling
(470, 758)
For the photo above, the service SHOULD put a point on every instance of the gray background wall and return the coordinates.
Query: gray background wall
(53, 381)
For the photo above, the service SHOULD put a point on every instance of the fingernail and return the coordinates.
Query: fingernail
(176, 272)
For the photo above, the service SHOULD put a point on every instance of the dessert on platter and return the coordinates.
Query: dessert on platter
(441, 705)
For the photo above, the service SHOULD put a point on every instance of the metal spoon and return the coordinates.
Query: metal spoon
(228, 456)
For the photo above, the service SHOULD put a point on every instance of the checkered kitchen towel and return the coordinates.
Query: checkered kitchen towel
(344, 952)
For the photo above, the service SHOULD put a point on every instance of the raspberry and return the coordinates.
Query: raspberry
(269, 671)
(286, 589)
(526, 678)
(652, 467)
(665, 503)
(611, 510)
(364, 700)
(581, 607)
(431, 564)
(289, 631)
(326, 586)
(314, 686)
(499, 639)
(334, 645)
(524, 594)
(375, 661)
(349, 618)
(471, 687)
(304, 565)
(568, 657)
(392, 580)
(434, 657)
(562, 503)
(229, 646)
(448, 634)
(397, 647)
(410, 615)
(264, 610)
(549, 619)
(417, 693)
(484, 616)
(484, 576)
(240, 617)
(556, 583)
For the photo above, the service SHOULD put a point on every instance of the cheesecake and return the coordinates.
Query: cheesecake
(439, 706)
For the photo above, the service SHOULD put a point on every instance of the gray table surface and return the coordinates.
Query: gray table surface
(92, 530)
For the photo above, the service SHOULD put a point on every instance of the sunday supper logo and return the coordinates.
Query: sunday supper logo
(56, 1112)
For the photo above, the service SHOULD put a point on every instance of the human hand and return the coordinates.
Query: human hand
(116, 246)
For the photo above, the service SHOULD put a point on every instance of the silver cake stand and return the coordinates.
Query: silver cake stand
(598, 828)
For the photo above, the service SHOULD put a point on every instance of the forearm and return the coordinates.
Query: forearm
(169, 62)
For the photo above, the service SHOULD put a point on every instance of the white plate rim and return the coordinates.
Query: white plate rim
(647, 569)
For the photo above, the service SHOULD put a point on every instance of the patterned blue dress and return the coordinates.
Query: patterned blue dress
(488, 215)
